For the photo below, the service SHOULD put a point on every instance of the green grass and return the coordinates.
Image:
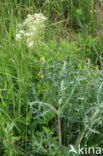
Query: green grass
(51, 96)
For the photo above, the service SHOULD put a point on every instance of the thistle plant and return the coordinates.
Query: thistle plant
(58, 94)
(72, 97)
(31, 31)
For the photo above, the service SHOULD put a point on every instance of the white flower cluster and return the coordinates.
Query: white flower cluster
(31, 30)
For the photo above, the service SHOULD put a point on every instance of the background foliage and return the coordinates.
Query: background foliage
(51, 96)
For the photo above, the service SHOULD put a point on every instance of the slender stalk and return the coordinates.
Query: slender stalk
(59, 128)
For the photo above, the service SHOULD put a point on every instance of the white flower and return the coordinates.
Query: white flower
(18, 37)
(20, 25)
(28, 40)
(27, 34)
(28, 15)
(30, 45)
(31, 30)
(21, 32)
(40, 17)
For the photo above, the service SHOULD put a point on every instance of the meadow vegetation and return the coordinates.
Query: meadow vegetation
(51, 78)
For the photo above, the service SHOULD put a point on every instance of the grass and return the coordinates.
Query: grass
(51, 96)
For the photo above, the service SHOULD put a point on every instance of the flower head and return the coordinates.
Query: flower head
(31, 30)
